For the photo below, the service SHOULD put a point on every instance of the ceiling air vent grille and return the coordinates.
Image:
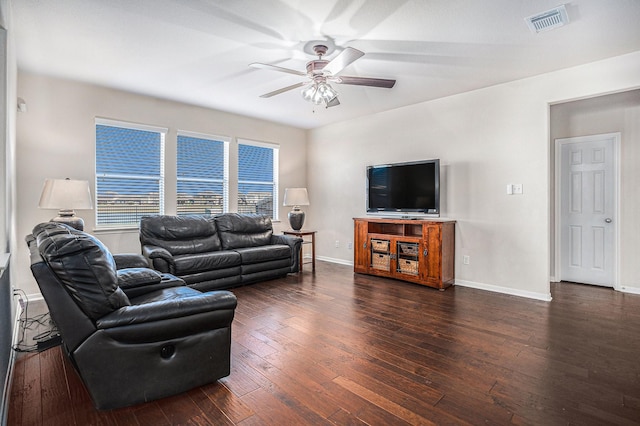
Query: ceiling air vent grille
(548, 20)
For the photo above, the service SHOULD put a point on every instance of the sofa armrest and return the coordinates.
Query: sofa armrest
(294, 243)
(130, 260)
(168, 309)
(160, 258)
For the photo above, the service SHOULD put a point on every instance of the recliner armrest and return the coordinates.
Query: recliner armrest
(138, 281)
(130, 260)
(169, 308)
(160, 258)
(135, 277)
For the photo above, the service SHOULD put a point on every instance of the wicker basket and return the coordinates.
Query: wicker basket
(407, 266)
(410, 249)
(380, 245)
(380, 261)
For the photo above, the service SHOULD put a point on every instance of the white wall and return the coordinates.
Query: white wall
(8, 303)
(56, 139)
(485, 140)
(618, 112)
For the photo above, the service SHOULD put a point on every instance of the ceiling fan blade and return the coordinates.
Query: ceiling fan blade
(333, 102)
(366, 81)
(344, 59)
(284, 89)
(275, 68)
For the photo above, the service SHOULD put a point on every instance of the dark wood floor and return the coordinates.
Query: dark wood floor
(339, 348)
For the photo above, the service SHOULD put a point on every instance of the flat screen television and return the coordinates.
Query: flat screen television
(404, 187)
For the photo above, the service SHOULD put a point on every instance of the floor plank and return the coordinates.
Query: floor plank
(14, 415)
(333, 347)
(32, 395)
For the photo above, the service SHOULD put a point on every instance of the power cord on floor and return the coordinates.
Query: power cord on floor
(43, 340)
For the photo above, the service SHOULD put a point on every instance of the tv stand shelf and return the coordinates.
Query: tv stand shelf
(415, 250)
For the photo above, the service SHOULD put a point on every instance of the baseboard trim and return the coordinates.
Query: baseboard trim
(334, 260)
(4, 410)
(546, 297)
(34, 297)
(628, 289)
(463, 283)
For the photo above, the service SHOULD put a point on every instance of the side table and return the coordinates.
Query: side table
(304, 233)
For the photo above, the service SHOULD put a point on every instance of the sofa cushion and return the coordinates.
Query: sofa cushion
(190, 263)
(84, 266)
(241, 230)
(261, 254)
(180, 234)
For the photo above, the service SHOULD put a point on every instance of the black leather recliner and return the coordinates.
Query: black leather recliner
(133, 334)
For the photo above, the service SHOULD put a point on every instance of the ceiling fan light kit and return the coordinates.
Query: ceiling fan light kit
(318, 92)
(320, 72)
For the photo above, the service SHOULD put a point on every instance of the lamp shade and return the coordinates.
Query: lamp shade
(296, 197)
(66, 194)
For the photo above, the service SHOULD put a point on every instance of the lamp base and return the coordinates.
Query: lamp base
(68, 217)
(296, 219)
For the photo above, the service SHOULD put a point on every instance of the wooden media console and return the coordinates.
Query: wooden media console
(421, 251)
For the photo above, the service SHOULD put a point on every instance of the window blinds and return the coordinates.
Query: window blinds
(129, 180)
(203, 170)
(257, 179)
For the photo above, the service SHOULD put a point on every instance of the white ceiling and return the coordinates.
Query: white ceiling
(198, 51)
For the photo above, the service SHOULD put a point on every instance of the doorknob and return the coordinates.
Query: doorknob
(608, 220)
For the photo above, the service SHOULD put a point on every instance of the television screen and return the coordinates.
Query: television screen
(404, 187)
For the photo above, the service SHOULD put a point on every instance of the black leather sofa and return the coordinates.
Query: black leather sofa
(215, 252)
(133, 334)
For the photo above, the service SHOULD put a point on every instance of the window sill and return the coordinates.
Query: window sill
(114, 230)
(117, 230)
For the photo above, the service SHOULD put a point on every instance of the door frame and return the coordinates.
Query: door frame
(617, 136)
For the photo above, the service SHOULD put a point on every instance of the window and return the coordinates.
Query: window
(258, 178)
(203, 174)
(129, 173)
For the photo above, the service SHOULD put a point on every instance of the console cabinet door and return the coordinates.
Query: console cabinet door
(433, 265)
(360, 247)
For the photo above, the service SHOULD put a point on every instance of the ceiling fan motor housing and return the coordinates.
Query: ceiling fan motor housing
(320, 49)
(316, 67)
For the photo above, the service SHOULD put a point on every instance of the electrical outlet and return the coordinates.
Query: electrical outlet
(350, 245)
(466, 259)
(514, 188)
(517, 188)
(337, 244)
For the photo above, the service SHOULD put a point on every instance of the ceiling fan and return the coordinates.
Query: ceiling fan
(320, 72)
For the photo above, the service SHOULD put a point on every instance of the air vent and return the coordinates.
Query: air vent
(548, 20)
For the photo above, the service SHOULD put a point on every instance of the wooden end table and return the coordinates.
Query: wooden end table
(305, 233)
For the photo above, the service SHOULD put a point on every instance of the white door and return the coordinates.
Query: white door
(588, 167)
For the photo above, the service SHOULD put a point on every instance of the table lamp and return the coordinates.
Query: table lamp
(296, 197)
(66, 195)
